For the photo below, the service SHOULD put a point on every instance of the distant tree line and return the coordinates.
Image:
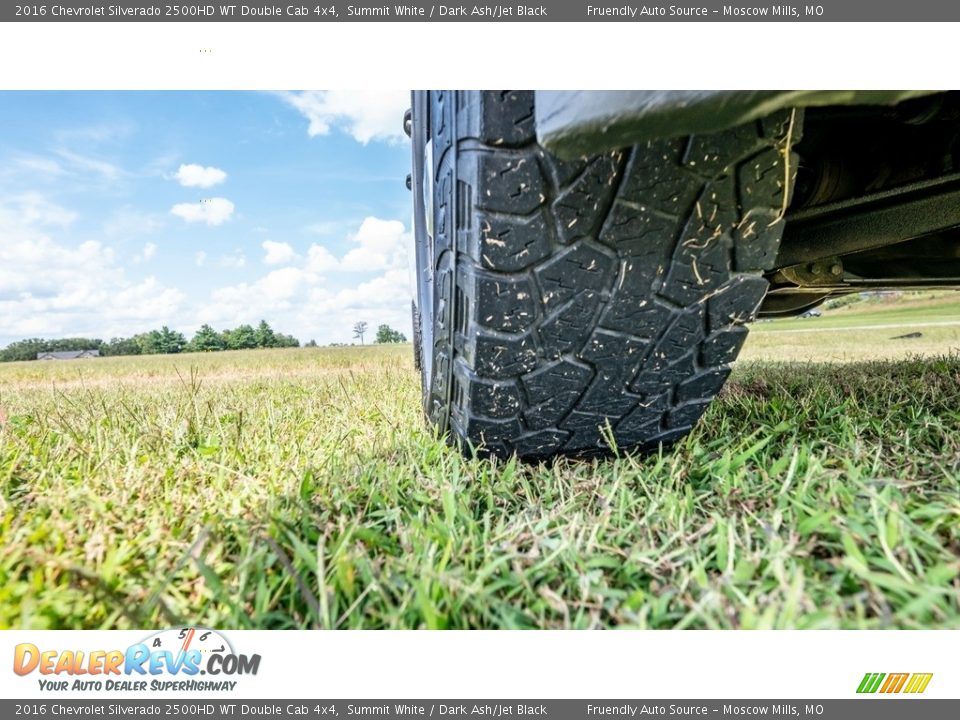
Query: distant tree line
(386, 334)
(157, 342)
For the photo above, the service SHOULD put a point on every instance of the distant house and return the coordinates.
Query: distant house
(68, 355)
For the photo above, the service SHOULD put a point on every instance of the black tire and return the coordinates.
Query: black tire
(569, 303)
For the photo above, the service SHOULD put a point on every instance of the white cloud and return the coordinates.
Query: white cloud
(32, 266)
(283, 284)
(83, 163)
(272, 294)
(237, 260)
(41, 165)
(389, 289)
(383, 299)
(297, 301)
(307, 297)
(321, 260)
(33, 209)
(128, 222)
(365, 115)
(49, 287)
(106, 132)
(213, 211)
(382, 244)
(149, 250)
(278, 253)
(194, 175)
(149, 303)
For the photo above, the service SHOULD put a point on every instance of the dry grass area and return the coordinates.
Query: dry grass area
(865, 330)
(301, 488)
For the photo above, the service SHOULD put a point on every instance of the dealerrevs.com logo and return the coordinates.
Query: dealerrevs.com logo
(169, 660)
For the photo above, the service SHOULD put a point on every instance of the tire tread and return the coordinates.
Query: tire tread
(607, 295)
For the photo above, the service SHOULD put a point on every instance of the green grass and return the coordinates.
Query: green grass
(280, 489)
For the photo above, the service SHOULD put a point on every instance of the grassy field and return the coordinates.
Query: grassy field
(301, 488)
(869, 329)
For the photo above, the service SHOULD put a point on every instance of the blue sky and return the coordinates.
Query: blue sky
(124, 211)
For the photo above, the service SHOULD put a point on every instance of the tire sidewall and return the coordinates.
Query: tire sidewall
(424, 256)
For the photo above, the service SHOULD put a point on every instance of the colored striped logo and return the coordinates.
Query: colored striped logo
(894, 683)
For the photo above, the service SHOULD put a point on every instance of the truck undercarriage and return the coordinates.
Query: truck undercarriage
(876, 203)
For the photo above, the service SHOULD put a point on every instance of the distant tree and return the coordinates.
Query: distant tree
(359, 329)
(75, 344)
(156, 342)
(145, 343)
(285, 341)
(266, 338)
(24, 350)
(171, 341)
(386, 334)
(160, 342)
(28, 349)
(241, 338)
(120, 346)
(311, 343)
(207, 340)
